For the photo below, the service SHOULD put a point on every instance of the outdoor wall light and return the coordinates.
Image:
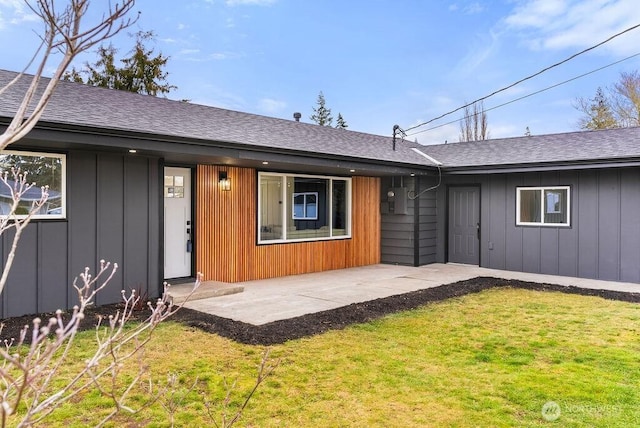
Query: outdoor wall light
(224, 181)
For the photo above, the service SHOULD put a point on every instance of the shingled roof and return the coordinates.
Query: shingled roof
(611, 145)
(76, 104)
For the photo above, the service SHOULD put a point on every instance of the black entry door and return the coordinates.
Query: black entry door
(464, 225)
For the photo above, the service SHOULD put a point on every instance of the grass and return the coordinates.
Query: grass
(488, 359)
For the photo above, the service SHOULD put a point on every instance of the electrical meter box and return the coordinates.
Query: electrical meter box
(394, 201)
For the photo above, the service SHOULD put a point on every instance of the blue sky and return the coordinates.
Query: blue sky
(378, 62)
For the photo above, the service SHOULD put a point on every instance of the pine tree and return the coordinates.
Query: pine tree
(141, 72)
(321, 114)
(340, 122)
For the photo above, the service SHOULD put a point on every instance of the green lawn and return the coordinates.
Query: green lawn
(489, 359)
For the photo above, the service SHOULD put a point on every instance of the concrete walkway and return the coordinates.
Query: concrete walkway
(276, 299)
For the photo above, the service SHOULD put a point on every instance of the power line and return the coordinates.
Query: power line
(532, 93)
(526, 78)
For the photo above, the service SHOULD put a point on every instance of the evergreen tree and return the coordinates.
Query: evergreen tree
(598, 113)
(321, 114)
(340, 122)
(141, 72)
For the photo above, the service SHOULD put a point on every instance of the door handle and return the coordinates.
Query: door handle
(478, 229)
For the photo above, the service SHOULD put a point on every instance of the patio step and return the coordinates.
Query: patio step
(179, 292)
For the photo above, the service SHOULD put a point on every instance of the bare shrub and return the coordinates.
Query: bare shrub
(28, 371)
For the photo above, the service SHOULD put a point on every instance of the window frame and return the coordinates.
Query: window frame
(543, 206)
(289, 218)
(63, 184)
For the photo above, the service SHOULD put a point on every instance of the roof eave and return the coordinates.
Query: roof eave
(169, 146)
(542, 167)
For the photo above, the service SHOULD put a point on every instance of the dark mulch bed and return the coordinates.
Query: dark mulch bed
(311, 324)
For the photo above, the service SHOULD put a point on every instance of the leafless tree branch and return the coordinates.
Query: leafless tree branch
(65, 33)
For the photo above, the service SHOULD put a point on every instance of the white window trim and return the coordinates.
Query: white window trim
(285, 208)
(542, 189)
(63, 184)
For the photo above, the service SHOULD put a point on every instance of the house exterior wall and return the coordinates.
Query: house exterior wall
(409, 239)
(226, 237)
(112, 214)
(602, 242)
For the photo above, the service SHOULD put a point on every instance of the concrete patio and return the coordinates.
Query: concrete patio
(263, 301)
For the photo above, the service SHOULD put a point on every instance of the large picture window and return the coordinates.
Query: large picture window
(43, 169)
(543, 206)
(303, 207)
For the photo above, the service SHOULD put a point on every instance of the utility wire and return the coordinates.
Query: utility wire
(526, 78)
(532, 93)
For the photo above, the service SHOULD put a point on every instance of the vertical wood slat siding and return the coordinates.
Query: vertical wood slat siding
(226, 248)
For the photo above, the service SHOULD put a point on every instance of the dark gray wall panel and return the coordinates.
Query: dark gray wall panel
(602, 242)
(82, 215)
(493, 232)
(531, 249)
(513, 234)
(155, 248)
(21, 289)
(549, 248)
(630, 221)
(113, 212)
(110, 242)
(608, 225)
(136, 228)
(586, 214)
(53, 281)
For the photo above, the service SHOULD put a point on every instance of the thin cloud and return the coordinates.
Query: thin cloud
(189, 51)
(14, 12)
(468, 9)
(483, 47)
(271, 106)
(556, 25)
(473, 8)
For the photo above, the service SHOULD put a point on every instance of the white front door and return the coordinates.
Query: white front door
(177, 222)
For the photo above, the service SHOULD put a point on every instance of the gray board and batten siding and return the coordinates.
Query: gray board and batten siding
(602, 241)
(113, 213)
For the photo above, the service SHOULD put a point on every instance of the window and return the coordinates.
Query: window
(543, 206)
(303, 207)
(173, 186)
(43, 169)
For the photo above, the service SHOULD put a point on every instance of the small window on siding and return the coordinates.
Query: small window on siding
(543, 206)
(43, 169)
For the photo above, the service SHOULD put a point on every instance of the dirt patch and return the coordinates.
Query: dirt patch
(312, 324)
